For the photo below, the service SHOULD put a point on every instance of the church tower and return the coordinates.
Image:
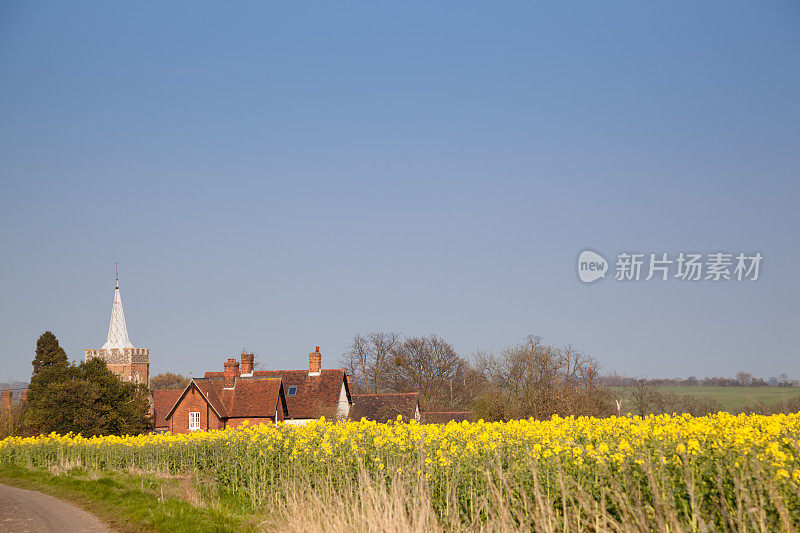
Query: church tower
(129, 363)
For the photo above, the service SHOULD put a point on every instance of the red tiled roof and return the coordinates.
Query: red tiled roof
(249, 397)
(384, 407)
(163, 400)
(315, 396)
(443, 417)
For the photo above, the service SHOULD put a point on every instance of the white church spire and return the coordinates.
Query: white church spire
(117, 331)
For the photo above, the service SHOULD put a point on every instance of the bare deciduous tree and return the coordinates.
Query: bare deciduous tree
(643, 396)
(431, 366)
(539, 380)
(369, 361)
(744, 378)
(168, 380)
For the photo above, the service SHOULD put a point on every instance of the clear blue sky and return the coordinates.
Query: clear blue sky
(280, 176)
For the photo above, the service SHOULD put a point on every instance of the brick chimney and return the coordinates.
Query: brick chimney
(231, 372)
(247, 363)
(6, 400)
(23, 396)
(314, 362)
(231, 368)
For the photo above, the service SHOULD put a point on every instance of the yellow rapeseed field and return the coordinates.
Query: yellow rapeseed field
(719, 471)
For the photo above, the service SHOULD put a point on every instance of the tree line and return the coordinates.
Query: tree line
(742, 379)
(643, 398)
(529, 379)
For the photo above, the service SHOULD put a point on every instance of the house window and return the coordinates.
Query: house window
(292, 391)
(194, 421)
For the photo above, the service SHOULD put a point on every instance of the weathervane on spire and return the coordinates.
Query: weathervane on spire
(116, 272)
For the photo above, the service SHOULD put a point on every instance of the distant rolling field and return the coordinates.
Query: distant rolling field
(731, 397)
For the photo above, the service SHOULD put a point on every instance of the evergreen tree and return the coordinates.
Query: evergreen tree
(86, 398)
(119, 407)
(48, 353)
(50, 365)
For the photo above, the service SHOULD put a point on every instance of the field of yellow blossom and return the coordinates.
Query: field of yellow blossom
(720, 472)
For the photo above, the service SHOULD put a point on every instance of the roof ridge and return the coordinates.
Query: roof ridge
(214, 373)
(391, 394)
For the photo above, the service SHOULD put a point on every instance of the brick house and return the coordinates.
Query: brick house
(225, 399)
(207, 404)
(385, 407)
(310, 394)
(163, 400)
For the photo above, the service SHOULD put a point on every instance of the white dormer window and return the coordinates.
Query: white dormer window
(292, 391)
(194, 421)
